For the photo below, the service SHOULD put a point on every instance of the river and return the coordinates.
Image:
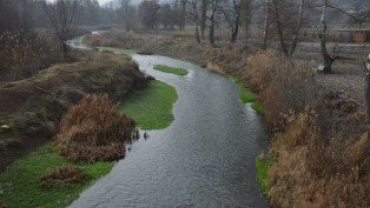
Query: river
(205, 159)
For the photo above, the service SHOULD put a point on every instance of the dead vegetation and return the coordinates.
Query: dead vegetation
(322, 140)
(33, 107)
(93, 130)
(62, 176)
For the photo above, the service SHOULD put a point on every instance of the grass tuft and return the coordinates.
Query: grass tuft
(172, 70)
(151, 108)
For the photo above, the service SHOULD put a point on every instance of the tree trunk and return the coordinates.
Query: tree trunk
(367, 90)
(267, 24)
(197, 35)
(297, 28)
(203, 17)
(183, 15)
(235, 32)
(247, 20)
(328, 60)
(280, 29)
(212, 32)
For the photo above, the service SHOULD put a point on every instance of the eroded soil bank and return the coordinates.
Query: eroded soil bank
(33, 107)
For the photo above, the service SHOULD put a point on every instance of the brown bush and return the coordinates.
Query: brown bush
(322, 167)
(62, 176)
(284, 87)
(24, 55)
(214, 68)
(93, 130)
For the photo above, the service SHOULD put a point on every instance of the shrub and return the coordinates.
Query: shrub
(284, 87)
(93, 130)
(62, 176)
(321, 163)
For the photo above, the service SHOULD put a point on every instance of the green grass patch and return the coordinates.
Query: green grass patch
(172, 70)
(246, 95)
(151, 107)
(263, 165)
(128, 52)
(20, 185)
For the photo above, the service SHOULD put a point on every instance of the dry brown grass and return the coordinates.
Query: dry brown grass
(214, 68)
(323, 147)
(93, 130)
(284, 87)
(312, 172)
(62, 176)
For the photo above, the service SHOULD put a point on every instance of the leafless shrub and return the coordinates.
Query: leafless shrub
(93, 130)
(62, 176)
(285, 87)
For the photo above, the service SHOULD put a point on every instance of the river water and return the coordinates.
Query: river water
(205, 159)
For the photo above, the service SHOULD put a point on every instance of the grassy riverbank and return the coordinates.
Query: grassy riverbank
(151, 108)
(263, 164)
(324, 139)
(171, 70)
(246, 95)
(21, 187)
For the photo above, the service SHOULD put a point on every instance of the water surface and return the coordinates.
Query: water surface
(205, 159)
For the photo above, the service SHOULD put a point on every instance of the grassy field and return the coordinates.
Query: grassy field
(172, 70)
(20, 185)
(151, 108)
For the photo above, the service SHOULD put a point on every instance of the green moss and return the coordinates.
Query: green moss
(172, 70)
(20, 185)
(263, 165)
(151, 107)
(128, 52)
(246, 95)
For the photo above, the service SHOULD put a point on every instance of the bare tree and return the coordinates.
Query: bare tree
(195, 17)
(214, 6)
(149, 13)
(358, 18)
(288, 16)
(328, 60)
(232, 11)
(246, 7)
(203, 19)
(266, 26)
(61, 15)
(126, 12)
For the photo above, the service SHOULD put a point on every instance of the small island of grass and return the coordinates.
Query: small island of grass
(172, 70)
(151, 107)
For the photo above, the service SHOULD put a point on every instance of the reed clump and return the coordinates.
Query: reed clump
(93, 130)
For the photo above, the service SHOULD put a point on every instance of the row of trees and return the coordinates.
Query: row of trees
(280, 21)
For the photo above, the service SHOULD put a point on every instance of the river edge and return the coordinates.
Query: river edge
(246, 96)
(21, 180)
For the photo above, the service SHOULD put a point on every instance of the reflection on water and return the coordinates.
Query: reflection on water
(204, 159)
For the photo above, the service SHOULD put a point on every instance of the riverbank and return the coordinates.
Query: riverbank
(115, 75)
(312, 128)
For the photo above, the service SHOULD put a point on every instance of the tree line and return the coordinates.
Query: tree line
(278, 21)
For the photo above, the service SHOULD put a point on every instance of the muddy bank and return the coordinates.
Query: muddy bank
(33, 107)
